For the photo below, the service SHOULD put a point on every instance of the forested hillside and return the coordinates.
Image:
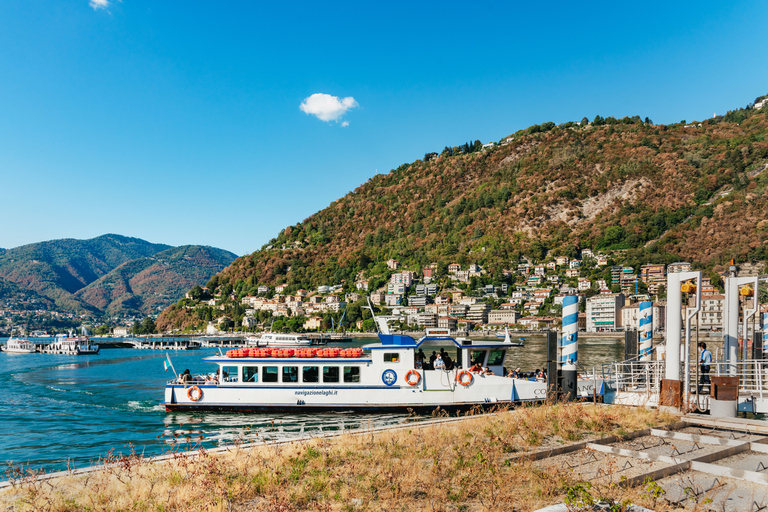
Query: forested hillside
(649, 193)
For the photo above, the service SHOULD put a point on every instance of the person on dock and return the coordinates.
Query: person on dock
(705, 361)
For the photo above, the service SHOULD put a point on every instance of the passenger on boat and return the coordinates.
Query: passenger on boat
(447, 361)
(514, 374)
(432, 360)
(487, 371)
(186, 377)
(541, 376)
(420, 357)
(439, 363)
(476, 368)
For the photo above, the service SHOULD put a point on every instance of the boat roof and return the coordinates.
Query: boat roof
(390, 341)
(224, 359)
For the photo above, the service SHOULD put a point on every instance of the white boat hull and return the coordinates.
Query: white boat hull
(436, 389)
(389, 377)
(18, 350)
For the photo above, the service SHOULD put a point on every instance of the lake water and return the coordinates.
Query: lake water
(68, 411)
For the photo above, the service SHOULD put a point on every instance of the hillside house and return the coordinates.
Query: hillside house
(377, 298)
(313, 323)
(392, 264)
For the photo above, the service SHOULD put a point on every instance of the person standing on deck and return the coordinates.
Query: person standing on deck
(705, 361)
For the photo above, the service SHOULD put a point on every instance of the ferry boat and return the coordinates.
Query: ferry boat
(274, 339)
(17, 346)
(68, 345)
(385, 376)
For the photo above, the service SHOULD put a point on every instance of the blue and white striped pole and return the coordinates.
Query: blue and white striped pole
(765, 332)
(569, 354)
(645, 329)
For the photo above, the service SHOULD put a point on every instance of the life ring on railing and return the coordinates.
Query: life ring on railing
(462, 380)
(408, 377)
(195, 393)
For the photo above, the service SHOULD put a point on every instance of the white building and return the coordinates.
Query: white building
(604, 312)
(711, 314)
(630, 317)
(503, 316)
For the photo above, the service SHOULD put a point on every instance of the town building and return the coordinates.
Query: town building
(447, 322)
(503, 316)
(427, 320)
(377, 298)
(680, 266)
(630, 317)
(604, 312)
(653, 276)
(711, 314)
(478, 313)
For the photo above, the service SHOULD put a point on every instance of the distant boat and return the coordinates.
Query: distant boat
(68, 345)
(17, 346)
(274, 339)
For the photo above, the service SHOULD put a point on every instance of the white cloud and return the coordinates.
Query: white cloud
(98, 4)
(328, 108)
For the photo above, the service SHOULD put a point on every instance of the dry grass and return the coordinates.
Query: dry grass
(455, 466)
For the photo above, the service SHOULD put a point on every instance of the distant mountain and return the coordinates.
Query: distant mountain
(67, 271)
(642, 192)
(147, 285)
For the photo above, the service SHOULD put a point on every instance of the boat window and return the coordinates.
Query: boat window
(311, 373)
(269, 374)
(351, 374)
(290, 374)
(496, 358)
(330, 374)
(477, 357)
(229, 373)
(391, 357)
(250, 374)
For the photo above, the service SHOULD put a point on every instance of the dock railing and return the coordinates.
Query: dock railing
(752, 374)
(633, 375)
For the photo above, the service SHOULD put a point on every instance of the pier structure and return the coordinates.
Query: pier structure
(165, 343)
(735, 381)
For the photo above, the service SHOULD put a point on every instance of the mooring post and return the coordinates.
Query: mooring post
(570, 345)
(553, 370)
(645, 328)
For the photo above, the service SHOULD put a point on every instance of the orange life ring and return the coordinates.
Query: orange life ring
(408, 377)
(462, 380)
(195, 393)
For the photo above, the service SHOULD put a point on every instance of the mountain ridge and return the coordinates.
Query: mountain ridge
(66, 271)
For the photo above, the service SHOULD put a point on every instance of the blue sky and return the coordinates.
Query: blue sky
(180, 122)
